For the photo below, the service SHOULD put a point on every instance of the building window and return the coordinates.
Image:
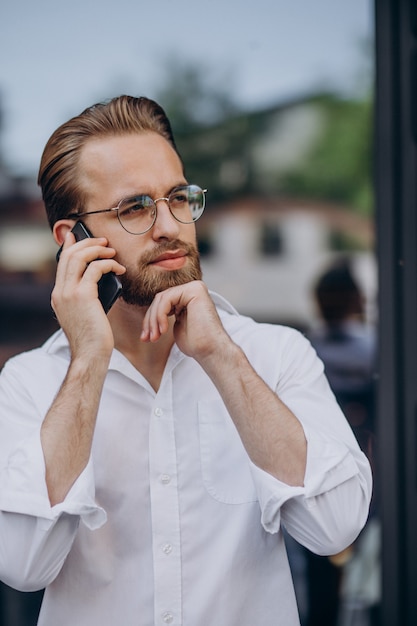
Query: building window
(271, 240)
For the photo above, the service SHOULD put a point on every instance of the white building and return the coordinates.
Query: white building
(266, 259)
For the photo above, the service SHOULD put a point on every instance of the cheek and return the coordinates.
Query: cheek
(131, 261)
(189, 234)
(129, 249)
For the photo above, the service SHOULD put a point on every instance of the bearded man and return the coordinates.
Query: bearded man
(150, 456)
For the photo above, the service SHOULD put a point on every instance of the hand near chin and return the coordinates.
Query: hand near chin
(198, 331)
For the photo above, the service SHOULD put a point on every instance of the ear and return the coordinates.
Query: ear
(60, 229)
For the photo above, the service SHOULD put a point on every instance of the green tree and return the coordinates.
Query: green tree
(195, 96)
(338, 165)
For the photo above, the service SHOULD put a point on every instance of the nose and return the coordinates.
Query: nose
(166, 226)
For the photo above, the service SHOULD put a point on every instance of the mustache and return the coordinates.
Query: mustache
(167, 246)
(141, 282)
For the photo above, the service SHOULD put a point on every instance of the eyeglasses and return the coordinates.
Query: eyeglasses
(138, 214)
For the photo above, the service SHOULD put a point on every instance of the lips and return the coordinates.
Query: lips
(174, 259)
(169, 255)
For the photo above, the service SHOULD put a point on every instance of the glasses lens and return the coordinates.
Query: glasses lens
(137, 214)
(187, 203)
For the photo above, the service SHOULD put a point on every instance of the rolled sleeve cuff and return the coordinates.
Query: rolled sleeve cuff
(329, 464)
(23, 488)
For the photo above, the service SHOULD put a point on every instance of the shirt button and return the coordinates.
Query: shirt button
(167, 548)
(165, 479)
(158, 412)
(167, 617)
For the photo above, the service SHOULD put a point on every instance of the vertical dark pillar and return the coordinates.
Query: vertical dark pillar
(396, 195)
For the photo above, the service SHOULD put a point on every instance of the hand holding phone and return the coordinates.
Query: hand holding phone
(109, 285)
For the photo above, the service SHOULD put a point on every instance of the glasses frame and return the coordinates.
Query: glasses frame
(165, 199)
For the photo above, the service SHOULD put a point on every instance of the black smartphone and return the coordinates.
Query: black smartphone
(109, 286)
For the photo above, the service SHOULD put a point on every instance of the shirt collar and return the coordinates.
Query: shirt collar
(58, 343)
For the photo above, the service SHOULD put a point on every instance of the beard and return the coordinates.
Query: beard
(142, 283)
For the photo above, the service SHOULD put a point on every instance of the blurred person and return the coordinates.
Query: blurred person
(150, 456)
(347, 346)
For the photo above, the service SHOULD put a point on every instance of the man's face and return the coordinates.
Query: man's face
(117, 167)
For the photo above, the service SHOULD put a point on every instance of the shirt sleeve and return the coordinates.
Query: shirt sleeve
(25, 510)
(327, 513)
(23, 488)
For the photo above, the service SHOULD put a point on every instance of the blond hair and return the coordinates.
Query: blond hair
(58, 171)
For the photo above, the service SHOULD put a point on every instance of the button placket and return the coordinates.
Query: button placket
(165, 509)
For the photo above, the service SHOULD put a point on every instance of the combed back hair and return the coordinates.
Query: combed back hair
(58, 172)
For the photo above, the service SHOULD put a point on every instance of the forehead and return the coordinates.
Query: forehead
(124, 164)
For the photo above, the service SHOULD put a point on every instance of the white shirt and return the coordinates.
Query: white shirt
(171, 523)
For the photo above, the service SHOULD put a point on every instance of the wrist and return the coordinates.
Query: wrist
(225, 356)
(89, 365)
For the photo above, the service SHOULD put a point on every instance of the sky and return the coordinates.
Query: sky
(58, 57)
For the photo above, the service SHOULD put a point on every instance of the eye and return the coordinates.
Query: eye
(135, 206)
(179, 198)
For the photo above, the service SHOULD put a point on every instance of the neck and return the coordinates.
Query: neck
(148, 358)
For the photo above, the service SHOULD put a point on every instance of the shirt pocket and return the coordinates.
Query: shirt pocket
(225, 464)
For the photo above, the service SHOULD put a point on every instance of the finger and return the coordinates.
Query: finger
(95, 270)
(68, 254)
(78, 258)
(81, 268)
(165, 304)
(84, 290)
(150, 327)
(69, 240)
(152, 323)
(93, 248)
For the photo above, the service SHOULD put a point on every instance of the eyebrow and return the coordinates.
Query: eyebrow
(142, 193)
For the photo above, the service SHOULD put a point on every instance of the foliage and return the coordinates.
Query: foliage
(338, 165)
(194, 96)
(216, 141)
